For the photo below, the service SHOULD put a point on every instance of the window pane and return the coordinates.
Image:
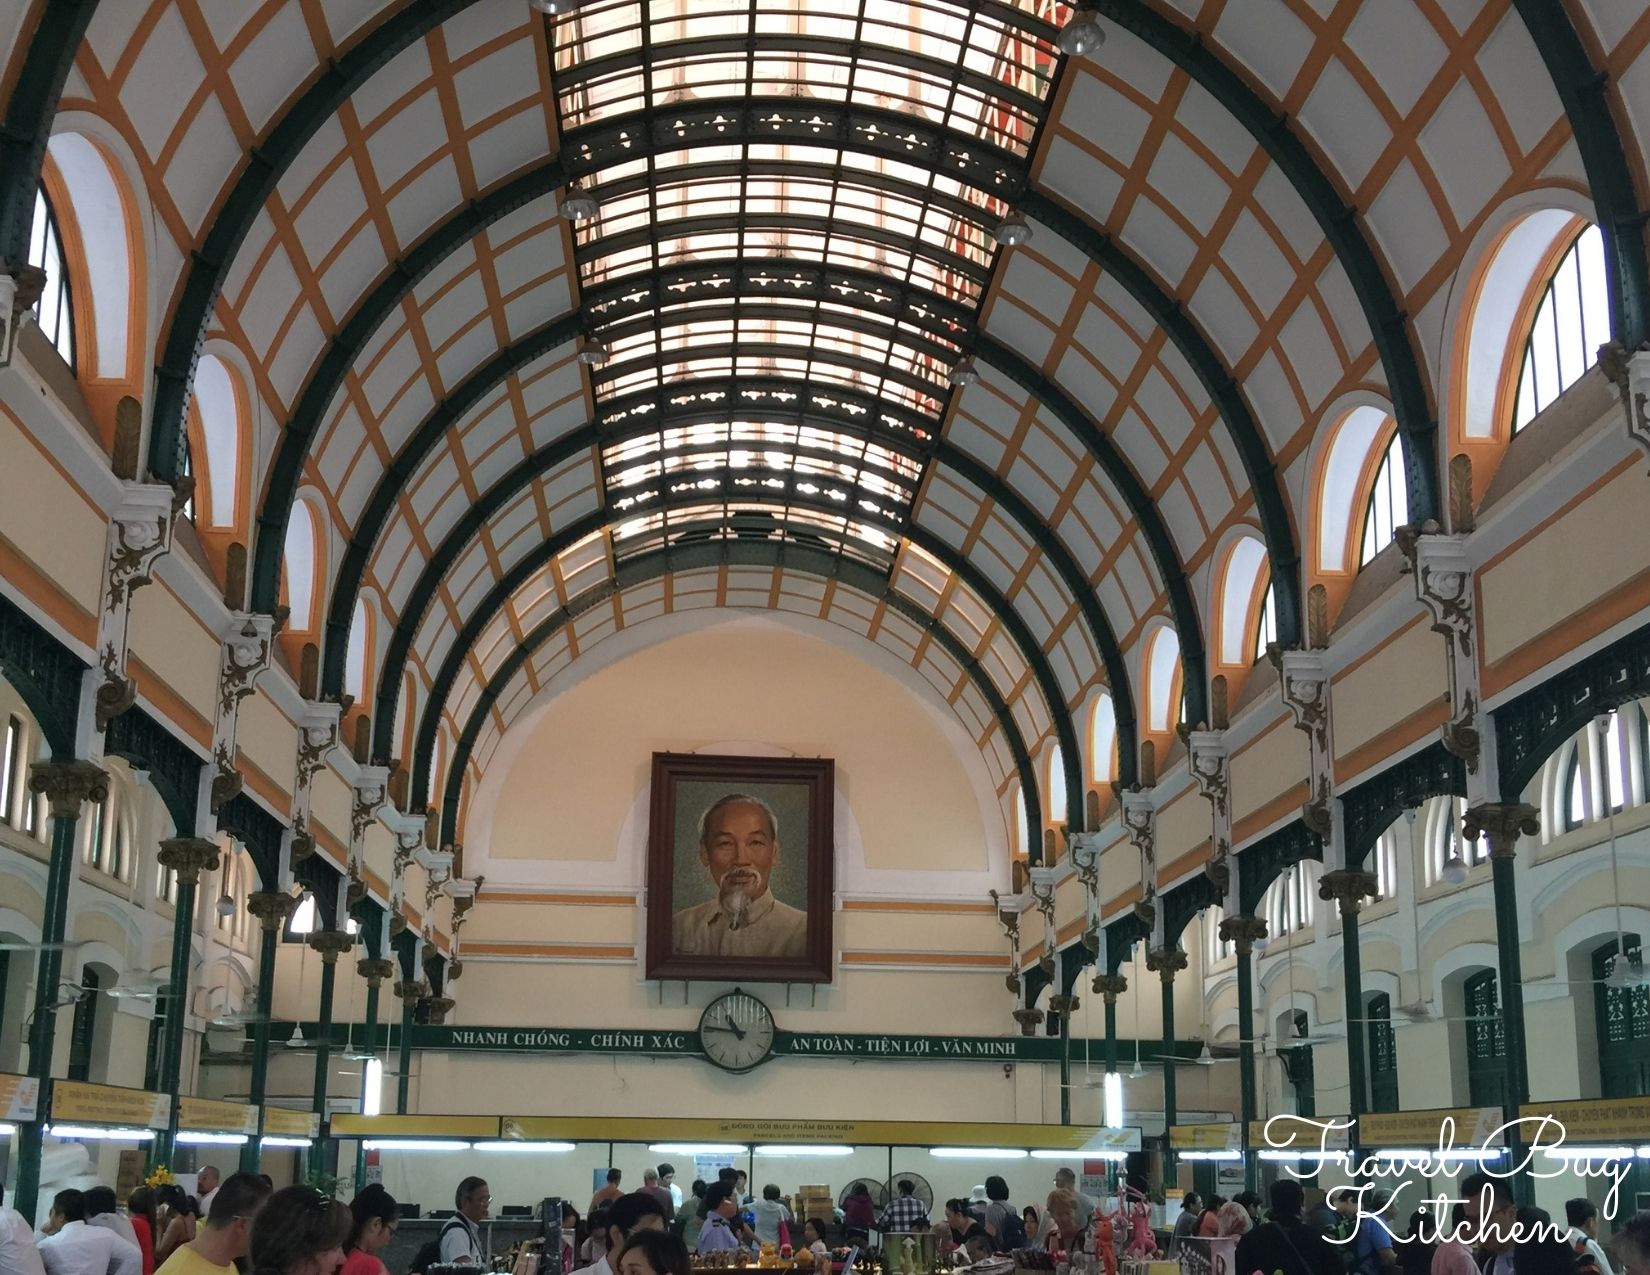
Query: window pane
(1573, 320)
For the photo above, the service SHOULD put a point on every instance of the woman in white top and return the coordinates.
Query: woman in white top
(770, 1211)
(813, 1236)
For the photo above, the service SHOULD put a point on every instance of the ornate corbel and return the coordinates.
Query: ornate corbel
(68, 785)
(1304, 681)
(438, 865)
(317, 737)
(462, 891)
(20, 287)
(408, 830)
(188, 857)
(1444, 586)
(1501, 824)
(1085, 862)
(1041, 882)
(140, 532)
(368, 794)
(1630, 373)
(1210, 761)
(1009, 907)
(1140, 822)
(1243, 932)
(1348, 887)
(247, 646)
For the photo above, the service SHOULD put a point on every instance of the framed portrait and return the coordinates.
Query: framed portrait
(741, 858)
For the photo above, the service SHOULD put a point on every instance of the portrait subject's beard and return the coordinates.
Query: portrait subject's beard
(735, 898)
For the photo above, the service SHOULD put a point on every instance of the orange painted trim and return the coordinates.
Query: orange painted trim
(577, 900)
(1424, 721)
(376, 882)
(177, 711)
(1070, 930)
(1291, 799)
(918, 906)
(1192, 860)
(1352, 666)
(586, 951)
(43, 592)
(1551, 645)
(1127, 899)
(968, 960)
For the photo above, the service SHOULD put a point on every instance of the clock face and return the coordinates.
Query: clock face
(736, 1031)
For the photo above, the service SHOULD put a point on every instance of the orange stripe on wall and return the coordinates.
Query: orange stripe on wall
(1600, 616)
(1290, 800)
(970, 960)
(588, 951)
(42, 590)
(173, 708)
(1416, 726)
(896, 905)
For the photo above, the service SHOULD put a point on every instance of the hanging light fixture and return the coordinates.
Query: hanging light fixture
(1082, 34)
(226, 906)
(1013, 230)
(553, 8)
(1454, 871)
(593, 351)
(578, 204)
(964, 373)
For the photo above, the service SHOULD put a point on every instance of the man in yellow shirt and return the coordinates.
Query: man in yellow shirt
(227, 1233)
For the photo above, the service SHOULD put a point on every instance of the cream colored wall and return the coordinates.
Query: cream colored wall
(49, 522)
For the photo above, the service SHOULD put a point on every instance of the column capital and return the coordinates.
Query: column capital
(1501, 823)
(1243, 932)
(1028, 1020)
(1063, 1006)
(375, 971)
(439, 1007)
(1109, 986)
(1166, 962)
(68, 785)
(271, 908)
(331, 944)
(1348, 887)
(411, 989)
(188, 857)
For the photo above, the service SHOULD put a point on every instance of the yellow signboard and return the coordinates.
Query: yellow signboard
(19, 1097)
(208, 1115)
(1073, 1138)
(1205, 1137)
(1305, 1134)
(75, 1102)
(1460, 1127)
(346, 1125)
(284, 1122)
(1606, 1121)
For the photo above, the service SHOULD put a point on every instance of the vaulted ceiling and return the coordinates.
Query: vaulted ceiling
(795, 345)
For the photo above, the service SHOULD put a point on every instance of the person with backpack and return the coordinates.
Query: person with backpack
(459, 1240)
(1002, 1219)
(1284, 1242)
(1582, 1215)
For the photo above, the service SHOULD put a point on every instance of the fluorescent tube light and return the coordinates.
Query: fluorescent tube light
(517, 1144)
(230, 1139)
(282, 1140)
(698, 1148)
(804, 1150)
(415, 1144)
(107, 1134)
(979, 1153)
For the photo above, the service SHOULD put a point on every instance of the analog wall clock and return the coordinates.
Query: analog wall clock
(736, 1031)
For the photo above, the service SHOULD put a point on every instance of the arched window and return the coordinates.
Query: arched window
(11, 782)
(1384, 859)
(1383, 1053)
(97, 835)
(1266, 625)
(1289, 902)
(1056, 787)
(1572, 321)
(359, 652)
(1244, 609)
(1486, 1043)
(1103, 740)
(1161, 680)
(1575, 793)
(1018, 838)
(303, 567)
(1623, 1019)
(1219, 949)
(216, 409)
(54, 312)
(1444, 839)
(1388, 506)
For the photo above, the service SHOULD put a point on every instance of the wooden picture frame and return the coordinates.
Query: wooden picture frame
(744, 910)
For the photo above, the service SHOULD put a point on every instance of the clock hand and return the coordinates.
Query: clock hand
(735, 1029)
(717, 1027)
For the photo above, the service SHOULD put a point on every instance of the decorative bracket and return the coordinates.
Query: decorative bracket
(20, 287)
(317, 737)
(1140, 822)
(462, 891)
(1210, 760)
(1041, 882)
(1631, 376)
(1085, 862)
(408, 830)
(439, 865)
(140, 532)
(1444, 586)
(1304, 679)
(368, 795)
(1009, 908)
(248, 644)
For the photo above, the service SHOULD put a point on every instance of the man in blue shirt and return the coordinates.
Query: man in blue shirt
(721, 1204)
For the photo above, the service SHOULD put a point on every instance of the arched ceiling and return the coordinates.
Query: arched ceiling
(1240, 214)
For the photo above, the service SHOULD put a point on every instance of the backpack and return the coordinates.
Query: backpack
(430, 1253)
(1012, 1234)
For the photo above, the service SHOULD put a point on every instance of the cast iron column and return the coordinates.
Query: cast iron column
(1242, 932)
(1061, 1006)
(1501, 825)
(410, 991)
(1349, 887)
(1110, 987)
(66, 785)
(273, 911)
(331, 944)
(1166, 962)
(188, 857)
